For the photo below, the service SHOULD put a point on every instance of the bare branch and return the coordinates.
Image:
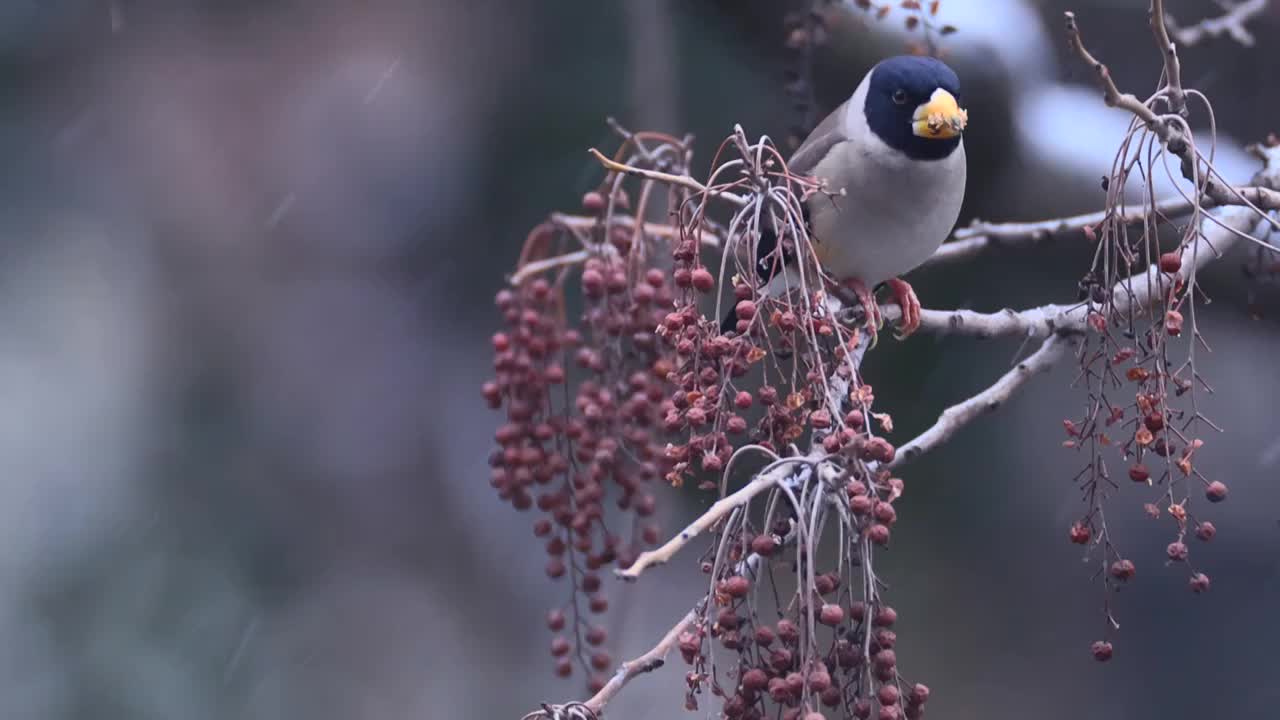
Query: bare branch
(1138, 290)
(1231, 23)
(957, 416)
(1170, 132)
(684, 181)
(774, 474)
(1056, 324)
(970, 241)
(1111, 94)
(669, 232)
(647, 662)
(1172, 69)
(627, 671)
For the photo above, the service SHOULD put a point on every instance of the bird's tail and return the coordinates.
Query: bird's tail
(730, 321)
(768, 270)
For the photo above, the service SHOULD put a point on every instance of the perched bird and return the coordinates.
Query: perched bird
(895, 149)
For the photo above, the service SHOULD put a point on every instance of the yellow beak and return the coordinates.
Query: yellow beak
(940, 118)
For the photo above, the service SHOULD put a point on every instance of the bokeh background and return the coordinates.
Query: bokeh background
(249, 254)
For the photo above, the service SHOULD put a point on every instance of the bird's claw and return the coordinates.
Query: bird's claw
(906, 299)
(868, 300)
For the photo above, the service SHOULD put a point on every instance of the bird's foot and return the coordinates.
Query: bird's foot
(868, 301)
(906, 298)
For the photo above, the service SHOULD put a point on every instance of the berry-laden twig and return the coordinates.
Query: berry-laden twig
(616, 379)
(1139, 322)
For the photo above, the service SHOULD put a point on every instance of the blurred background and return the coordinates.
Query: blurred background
(249, 256)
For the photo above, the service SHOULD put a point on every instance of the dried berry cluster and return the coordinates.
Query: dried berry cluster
(832, 640)
(1138, 367)
(582, 406)
(765, 385)
(613, 373)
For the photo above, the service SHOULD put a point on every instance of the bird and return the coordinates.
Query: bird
(893, 164)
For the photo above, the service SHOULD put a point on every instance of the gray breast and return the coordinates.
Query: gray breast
(894, 213)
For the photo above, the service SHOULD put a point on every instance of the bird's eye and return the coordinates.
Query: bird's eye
(900, 96)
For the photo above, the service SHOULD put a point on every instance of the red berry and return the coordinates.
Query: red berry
(860, 504)
(778, 691)
(878, 534)
(559, 646)
(745, 310)
(831, 614)
(763, 545)
(1206, 530)
(885, 617)
(703, 280)
(919, 694)
(492, 394)
(879, 450)
(1216, 491)
(1101, 650)
(1199, 583)
(736, 586)
(1176, 551)
(788, 631)
(1079, 533)
(592, 283)
(888, 695)
(819, 679)
(1122, 569)
(826, 583)
(555, 620)
(601, 661)
(831, 697)
(742, 400)
(885, 639)
(596, 635)
(1171, 262)
(764, 636)
(755, 679)
(1139, 473)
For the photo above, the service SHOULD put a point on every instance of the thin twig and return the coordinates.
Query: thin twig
(1172, 68)
(959, 415)
(1169, 129)
(1135, 291)
(1231, 23)
(684, 181)
(647, 662)
(774, 474)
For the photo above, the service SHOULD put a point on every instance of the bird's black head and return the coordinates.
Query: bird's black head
(913, 105)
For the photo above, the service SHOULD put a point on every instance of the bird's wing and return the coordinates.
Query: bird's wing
(828, 134)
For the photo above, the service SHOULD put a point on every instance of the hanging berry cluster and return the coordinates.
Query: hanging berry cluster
(1142, 383)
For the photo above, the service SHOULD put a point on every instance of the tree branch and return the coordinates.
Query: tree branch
(684, 181)
(1169, 51)
(1168, 131)
(989, 400)
(655, 658)
(1231, 23)
(774, 474)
